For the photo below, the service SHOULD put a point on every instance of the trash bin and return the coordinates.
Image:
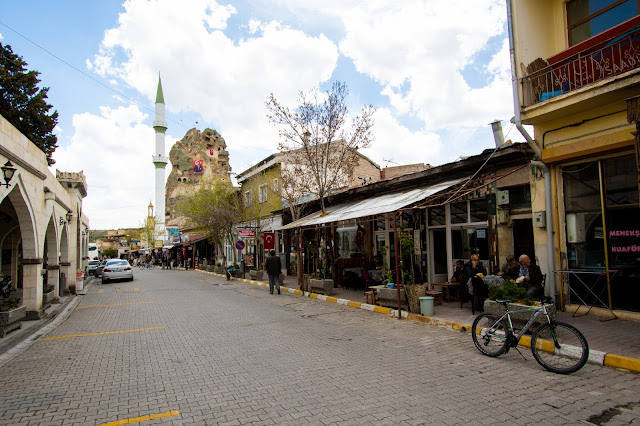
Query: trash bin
(426, 306)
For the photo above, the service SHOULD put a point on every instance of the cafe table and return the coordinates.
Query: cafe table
(447, 287)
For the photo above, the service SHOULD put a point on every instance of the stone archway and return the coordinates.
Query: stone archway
(28, 262)
(65, 264)
(51, 272)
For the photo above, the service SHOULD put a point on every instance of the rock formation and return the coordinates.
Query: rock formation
(198, 157)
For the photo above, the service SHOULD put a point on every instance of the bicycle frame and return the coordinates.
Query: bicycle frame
(542, 310)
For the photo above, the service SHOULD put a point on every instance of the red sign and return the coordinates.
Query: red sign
(246, 233)
(269, 240)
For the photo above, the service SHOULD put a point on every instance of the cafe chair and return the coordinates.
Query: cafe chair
(480, 293)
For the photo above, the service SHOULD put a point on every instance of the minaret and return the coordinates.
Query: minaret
(160, 161)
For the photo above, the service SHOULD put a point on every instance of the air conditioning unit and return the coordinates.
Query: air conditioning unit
(502, 197)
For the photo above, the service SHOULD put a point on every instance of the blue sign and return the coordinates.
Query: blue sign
(240, 245)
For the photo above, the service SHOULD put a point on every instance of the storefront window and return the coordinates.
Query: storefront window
(459, 212)
(478, 210)
(621, 181)
(347, 241)
(590, 245)
(437, 216)
(468, 241)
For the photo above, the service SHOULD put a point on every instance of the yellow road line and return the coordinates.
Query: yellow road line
(102, 332)
(142, 418)
(101, 290)
(112, 304)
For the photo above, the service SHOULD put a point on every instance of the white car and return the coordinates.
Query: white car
(117, 269)
(92, 267)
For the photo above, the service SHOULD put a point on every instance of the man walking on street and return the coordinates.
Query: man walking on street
(274, 268)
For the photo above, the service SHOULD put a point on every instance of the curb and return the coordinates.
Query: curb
(600, 358)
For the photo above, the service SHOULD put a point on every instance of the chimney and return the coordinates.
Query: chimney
(498, 137)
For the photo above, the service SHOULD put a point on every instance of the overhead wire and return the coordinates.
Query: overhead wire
(88, 75)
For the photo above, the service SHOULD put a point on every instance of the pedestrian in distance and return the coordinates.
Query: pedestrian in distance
(274, 268)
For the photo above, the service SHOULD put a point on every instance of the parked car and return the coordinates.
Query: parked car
(100, 267)
(92, 266)
(117, 269)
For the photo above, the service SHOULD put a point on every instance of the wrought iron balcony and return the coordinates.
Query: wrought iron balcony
(603, 57)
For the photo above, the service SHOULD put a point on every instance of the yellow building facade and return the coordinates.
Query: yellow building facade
(576, 69)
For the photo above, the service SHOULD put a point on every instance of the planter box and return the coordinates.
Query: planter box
(237, 273)
(210, 268)
(12, 320)
(389, 297)
(521, 318)
(256, 275)
(305, 282)
(47, 299)
(321, 286)
(220, 270)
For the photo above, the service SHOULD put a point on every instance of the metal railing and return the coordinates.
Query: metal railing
(608, 59)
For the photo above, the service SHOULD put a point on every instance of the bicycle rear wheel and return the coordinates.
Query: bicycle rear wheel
(489, 334)
(559, 347)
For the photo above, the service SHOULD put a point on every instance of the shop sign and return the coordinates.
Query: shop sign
(246, 233)
(416, 240)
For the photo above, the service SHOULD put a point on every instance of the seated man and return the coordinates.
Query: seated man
(529, 276)
(508, 267)
(458, 272)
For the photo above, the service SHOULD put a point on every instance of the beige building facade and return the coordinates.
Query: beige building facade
(43, 231)
(576, 68)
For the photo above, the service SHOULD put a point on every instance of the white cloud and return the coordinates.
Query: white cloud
(114, 150)
(205, 71)
(417, 50)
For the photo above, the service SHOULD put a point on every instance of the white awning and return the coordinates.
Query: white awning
(371, 206)
(169, 247)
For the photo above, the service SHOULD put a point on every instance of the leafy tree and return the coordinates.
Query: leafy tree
(24, 105)
(110, 253)
(214, 209)
(315, 139)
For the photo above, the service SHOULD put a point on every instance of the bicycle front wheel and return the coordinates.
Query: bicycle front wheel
(489, 334)
(559, 347)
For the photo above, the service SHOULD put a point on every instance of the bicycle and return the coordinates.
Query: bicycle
(559, 347)
(147, 265)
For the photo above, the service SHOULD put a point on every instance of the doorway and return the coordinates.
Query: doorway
(439, 254)
(523, 239)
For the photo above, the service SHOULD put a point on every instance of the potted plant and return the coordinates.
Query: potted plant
(509, 290)
(407, 267)
(11, 314)
(320, 282)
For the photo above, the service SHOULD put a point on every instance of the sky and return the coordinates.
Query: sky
(436, 70)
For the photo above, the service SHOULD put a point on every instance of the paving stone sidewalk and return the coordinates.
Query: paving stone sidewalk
(618, 336)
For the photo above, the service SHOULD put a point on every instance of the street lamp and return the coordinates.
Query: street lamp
(7, 172)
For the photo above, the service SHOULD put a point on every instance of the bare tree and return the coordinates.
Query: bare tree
(214, 209)
(315, 140)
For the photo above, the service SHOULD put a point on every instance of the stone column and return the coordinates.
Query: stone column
(53, 277)
(69, 277)
(32, 287)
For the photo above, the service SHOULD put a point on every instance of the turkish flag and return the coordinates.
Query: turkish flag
(269, 240)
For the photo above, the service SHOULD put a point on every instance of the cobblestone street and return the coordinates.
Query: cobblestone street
(189, 348)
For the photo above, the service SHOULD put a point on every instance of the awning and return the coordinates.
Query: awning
(169, 247)
(371, 206)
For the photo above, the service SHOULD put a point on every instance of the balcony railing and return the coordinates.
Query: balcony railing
(597, 62)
